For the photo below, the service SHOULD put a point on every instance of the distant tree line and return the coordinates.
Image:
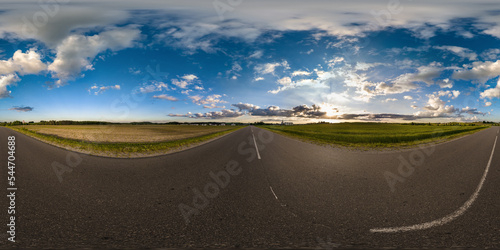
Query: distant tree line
(453, 123)
(69, 122)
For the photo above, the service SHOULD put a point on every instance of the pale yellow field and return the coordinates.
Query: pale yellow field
(126, 133)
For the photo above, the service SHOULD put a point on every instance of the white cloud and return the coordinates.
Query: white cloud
(351, 78)
(459, 51)
(407, 97)
(425, 74)
(424, 18)
(492, 92)
(480, 72)
(153, 87)
(491, 54)
(31, 21)
(225, 113)
(256, 79)
(23, 63)
(235, 68)
(185, 82)
(366, 66)
(180, 84)
(134, 71)
(211, 99)
(76, 52)
(335, 61)
(5, 81)
(196, 98)
(300, 73)
(450, 94)
(444, 83)
(197, 26)
(401, 84)
(487, 104)
(166, 97)
(257, 54)
(436, 108)
(189, 77)
(197, 32)
(493, 31)
(97, 90)
(390, 100)
(444, 93)
(285, 81)
(269, 68)
(213, 106)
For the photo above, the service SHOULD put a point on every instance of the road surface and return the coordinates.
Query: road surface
(253, 188)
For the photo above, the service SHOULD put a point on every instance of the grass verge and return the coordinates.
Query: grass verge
(124, 149)
(373, 135)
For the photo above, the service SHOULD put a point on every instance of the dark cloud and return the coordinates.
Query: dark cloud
(177, 115)
(245, 106)
(375, 117)
(303, 111)
(316, 112)
(471, 111)
(271, 111)
(22, 108)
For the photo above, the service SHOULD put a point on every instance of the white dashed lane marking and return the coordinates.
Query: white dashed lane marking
(448, 218)
(256, 148)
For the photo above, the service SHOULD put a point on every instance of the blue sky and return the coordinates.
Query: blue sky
(300, 61)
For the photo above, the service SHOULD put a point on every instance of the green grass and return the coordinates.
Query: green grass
(123, 149)
(373, 134)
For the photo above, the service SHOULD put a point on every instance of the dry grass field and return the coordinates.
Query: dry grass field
(126, 133)
(125, 141)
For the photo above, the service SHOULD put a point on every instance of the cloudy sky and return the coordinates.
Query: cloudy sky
(250, 60)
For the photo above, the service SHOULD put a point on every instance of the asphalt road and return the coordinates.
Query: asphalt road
(290, 194)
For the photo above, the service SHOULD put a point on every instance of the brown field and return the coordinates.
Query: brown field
(126, 133)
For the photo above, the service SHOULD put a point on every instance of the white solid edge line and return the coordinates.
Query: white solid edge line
(256, 149)
(448, 218)
(273, 192)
